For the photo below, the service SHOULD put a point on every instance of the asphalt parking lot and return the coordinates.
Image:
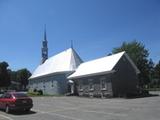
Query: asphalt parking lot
(76, 108)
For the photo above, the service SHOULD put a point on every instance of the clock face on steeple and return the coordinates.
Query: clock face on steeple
(45, 52)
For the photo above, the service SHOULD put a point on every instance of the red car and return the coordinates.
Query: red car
(15, 101)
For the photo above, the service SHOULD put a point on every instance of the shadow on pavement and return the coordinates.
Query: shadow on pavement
(22, 112)
(142, 96)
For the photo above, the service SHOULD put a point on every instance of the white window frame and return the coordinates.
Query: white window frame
(109, 86)
(80, 87)
(52, 86)
(103, 79)
(91, 85)
(44, 84)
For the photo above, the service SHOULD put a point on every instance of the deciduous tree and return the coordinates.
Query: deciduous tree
(22, 77)
(157, 72)
(4, 74)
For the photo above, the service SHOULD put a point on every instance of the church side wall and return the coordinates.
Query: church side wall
(95, 86)
(52, 85)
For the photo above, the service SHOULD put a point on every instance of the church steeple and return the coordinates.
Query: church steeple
(44, 47)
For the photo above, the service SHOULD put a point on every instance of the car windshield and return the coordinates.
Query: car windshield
(20, 95)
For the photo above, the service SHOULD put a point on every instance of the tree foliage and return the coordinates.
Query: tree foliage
(22, 77)
(157, 71)
(13, 75)
(4, 74)
(8, 77)
(139, 54)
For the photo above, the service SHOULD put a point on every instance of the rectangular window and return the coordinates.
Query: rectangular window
(52, 84)
(80, 85)
(90, 84)
(109, 86)
(44, 85)
(103, 83)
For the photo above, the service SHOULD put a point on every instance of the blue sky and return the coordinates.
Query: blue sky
(95, 26)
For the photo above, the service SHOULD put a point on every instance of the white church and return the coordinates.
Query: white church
(51, 75)
(65, 72)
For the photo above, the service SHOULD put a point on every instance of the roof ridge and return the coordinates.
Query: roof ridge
(56, 63)
(97, 66)
(105, 57)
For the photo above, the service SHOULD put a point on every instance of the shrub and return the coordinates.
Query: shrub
(40, 92)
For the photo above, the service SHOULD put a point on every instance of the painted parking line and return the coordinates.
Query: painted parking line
(5, 117)
(57, 110)
(59, 115)
(106, 113)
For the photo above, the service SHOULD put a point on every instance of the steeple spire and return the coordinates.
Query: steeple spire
(44, 47)
(72, 44)
(45, 35)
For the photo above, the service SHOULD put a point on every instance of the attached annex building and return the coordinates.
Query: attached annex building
(114, 75)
